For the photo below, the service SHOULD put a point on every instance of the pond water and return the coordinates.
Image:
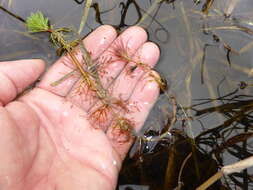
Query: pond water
(205, 59)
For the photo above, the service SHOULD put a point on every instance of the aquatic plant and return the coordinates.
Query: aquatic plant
(89, 75)
(36, 22)
(110, 107)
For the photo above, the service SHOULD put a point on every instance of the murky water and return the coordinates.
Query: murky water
(184, 34)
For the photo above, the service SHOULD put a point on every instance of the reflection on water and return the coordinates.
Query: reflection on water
(206, 53)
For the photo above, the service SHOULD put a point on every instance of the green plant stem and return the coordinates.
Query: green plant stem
(85, 15)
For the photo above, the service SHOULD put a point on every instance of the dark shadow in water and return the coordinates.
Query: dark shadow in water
(178, 161)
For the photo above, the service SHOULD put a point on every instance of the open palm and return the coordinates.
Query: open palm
(47, 141)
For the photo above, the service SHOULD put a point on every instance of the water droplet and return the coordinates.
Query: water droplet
(114, 162)
(65, 113)
(146, 103)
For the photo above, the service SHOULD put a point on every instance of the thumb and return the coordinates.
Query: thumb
(15, 76)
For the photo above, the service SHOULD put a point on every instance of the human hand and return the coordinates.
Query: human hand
(47, 141)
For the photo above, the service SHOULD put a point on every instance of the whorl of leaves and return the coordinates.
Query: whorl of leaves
(36, 22)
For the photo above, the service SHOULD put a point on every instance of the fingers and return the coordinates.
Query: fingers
(125, 45)
(122, 88)
(130, 40)
(15, 76)
(145, 95)
(96, 43)
(147, 55)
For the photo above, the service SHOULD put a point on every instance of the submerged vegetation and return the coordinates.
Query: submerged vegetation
(203, 122)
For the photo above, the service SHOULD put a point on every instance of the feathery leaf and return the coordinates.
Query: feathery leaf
(36, 22)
